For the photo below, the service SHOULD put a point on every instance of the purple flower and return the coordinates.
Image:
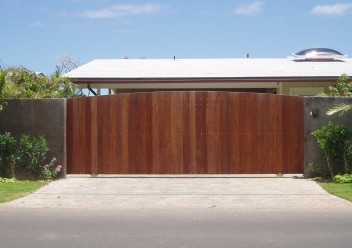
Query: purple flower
(54, 159)
(58, 168)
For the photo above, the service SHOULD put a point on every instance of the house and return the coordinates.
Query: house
(307, 72)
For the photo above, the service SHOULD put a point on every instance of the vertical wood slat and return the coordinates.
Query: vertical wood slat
(185, 133)
(69, 133)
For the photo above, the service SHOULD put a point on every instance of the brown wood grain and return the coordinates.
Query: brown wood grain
(185, 133)
(69, 133)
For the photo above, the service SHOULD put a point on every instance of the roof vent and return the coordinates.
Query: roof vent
(318, 55)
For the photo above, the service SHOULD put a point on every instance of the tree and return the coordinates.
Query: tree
(19, 82)
(342, 87)
(66, 63)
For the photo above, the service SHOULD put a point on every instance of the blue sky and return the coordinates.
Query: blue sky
(36, 32)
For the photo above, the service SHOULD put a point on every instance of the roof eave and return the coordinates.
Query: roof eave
(201, 80)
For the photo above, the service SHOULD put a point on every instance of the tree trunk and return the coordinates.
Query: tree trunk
(329, 165)
(345, 162)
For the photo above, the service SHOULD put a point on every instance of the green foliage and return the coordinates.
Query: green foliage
(335, 141)
(2, 85)
(2, 81)
(28, 157)
(8, 180)
(19, 82)
(7, 155)
(341, 109)
(32, 154)
(314, 168)
(318, 170)
(322, 94)
(342, 86)
(345, 178)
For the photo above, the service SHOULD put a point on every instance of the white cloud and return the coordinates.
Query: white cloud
(250, 9)
(334, 9)
(120, 10)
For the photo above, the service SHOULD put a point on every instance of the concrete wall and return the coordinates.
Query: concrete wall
(45, 117)
(312, 153)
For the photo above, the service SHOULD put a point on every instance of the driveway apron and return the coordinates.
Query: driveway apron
(173, 192)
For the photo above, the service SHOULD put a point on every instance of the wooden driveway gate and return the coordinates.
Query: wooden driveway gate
(185, 133)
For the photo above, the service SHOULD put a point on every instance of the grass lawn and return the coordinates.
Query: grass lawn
(341, 190)
(11, 191)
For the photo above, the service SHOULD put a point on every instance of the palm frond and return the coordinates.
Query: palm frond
(341, 109)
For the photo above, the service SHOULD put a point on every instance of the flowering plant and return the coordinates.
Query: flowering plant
(51, 170)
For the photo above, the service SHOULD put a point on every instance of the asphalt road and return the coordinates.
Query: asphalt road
(22, 227)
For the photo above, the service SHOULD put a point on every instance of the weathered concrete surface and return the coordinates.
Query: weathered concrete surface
(312, 153)
(45, 117)
(223, 192)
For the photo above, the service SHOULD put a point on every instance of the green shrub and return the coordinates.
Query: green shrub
(7, 155)
(335, 141)
(345, 178)
(32, 155)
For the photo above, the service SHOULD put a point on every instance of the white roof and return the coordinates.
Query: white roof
(207, 68)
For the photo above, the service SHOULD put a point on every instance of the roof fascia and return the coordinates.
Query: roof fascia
(200, 80)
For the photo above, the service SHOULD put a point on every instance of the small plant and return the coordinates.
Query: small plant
(7, 155)
(51, 170)
(345, 178)
(318, 170)
(32, 154)
(314, 168)
(8, 180)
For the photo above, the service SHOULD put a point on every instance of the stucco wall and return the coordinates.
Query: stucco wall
(45, 117)
(312, 153)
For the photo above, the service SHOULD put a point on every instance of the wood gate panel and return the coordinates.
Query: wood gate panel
(185, 133)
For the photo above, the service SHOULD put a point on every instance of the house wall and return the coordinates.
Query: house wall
(284, 88)
(186, 86)
(44, 117)
(288, 85)
(312, 153)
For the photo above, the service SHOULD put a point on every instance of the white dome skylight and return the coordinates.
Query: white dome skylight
(318, 54)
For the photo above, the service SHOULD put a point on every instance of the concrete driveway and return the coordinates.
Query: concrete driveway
(170, 192)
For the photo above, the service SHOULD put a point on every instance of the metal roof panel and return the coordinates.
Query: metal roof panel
(208, 68)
